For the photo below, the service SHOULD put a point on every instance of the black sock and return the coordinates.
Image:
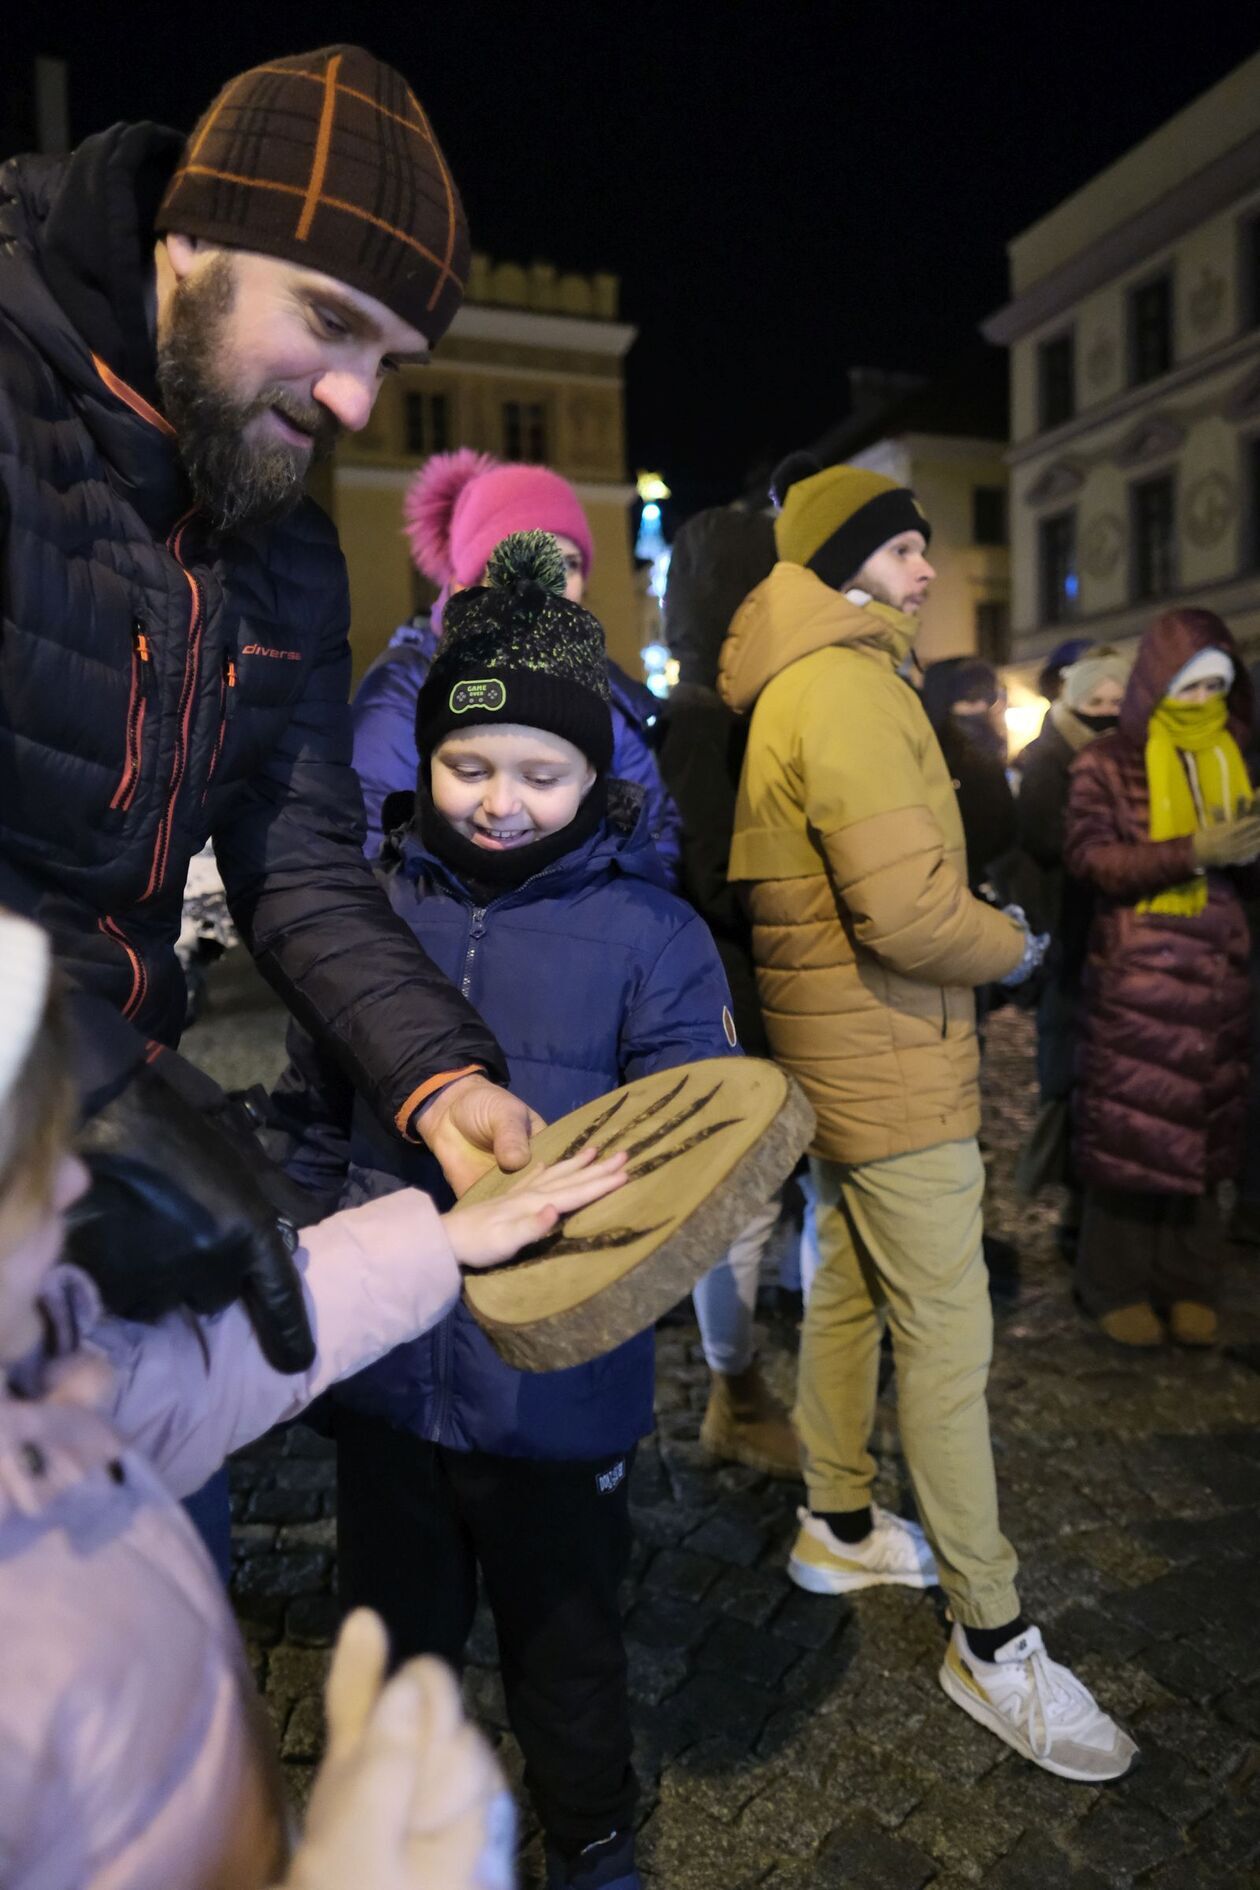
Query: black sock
(985, 1641)
(848, 1525)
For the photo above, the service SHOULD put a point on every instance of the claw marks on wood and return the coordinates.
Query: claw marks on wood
(589, 1135)
(556, 1245)
(672, 1154)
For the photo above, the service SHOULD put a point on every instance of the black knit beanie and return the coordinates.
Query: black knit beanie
(515, 649)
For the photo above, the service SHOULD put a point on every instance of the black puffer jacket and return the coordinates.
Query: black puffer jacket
(158, 683)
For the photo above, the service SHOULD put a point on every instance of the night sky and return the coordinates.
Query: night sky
(785, 190)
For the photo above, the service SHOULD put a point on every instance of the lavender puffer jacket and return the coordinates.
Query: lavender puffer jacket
(133, 1751)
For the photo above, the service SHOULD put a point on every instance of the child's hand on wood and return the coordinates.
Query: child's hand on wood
(494, 1230)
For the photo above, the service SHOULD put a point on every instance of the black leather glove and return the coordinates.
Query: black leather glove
(186, 1211)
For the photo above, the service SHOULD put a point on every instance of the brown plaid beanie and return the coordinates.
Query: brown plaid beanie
(327, 159)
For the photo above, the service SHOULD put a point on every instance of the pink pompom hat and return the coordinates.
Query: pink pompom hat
(461, 505)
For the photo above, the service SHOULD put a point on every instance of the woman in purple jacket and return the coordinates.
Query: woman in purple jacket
(457, 509)
(1163, 825)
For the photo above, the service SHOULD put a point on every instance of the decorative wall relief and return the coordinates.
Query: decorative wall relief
(1153, 437)
(1102, 545)
(1100, 360)
(1207, 300)
(1058, 481)
(1210, 506)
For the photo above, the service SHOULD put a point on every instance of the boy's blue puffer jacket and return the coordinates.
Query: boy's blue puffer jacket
(590, 975)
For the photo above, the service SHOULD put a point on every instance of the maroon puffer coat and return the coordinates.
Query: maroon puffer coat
(1161, 1099)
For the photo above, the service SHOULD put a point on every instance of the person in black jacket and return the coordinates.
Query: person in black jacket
(1087, 706)
(963, 700)
(718, 557)
(184, 328)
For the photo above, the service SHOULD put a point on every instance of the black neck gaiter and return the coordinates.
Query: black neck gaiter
(489, 875)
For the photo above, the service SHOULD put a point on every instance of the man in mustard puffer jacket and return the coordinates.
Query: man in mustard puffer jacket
(868, 945)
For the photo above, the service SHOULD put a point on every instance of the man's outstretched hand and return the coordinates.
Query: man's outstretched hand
(472, 1126)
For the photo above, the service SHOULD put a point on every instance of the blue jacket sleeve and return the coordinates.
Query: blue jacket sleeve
(384, 717)
(633, 760)
(320, 927)
(682, 1011)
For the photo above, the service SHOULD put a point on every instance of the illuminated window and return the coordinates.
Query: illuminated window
(1060, 586)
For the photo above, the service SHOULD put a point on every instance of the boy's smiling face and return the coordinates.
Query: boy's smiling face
(506, 786)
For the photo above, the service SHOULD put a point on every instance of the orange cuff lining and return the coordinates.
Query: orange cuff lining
(402, 1121)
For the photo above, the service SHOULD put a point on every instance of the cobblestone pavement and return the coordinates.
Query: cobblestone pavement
(787, 1740)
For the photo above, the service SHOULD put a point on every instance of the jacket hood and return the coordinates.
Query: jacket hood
(86, 223)
(1169, 643)
(717, 558)
(790, 615)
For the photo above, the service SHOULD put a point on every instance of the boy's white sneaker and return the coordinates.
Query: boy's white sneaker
(1038, 1707)
(895, 1551)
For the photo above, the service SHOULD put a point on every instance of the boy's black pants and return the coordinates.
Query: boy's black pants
(414, 1523)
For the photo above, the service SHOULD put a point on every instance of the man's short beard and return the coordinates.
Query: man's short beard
(235, 482)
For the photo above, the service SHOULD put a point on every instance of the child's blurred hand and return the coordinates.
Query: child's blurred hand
(409, 1796)
(494, 1230)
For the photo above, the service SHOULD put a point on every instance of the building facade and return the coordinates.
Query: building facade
(531, 369)
(1134, 337)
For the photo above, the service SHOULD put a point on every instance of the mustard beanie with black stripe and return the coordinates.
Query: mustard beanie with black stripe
(831, 519)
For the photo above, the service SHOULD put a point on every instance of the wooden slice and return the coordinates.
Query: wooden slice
(708, 1144)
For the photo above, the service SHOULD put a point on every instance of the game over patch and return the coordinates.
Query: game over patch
(486, 693)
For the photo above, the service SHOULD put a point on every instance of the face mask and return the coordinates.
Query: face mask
(980, 731)
(1097, 724)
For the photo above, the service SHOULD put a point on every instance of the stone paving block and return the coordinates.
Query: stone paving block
(1241, 1707)
(313, 1620)
(1207, 1538)
(654, 1673)
(259, 1617)
(719, 1777)
(1119, 1556)
(251, 1538)
(791, 1818)
(302, 1441)
(747, 1654)
(1035, 1864)
(963, 1828)
(736, 1707)
(293, 1672)
(281, 1576)
(753, 1596)
(1206, 1742)
(483, 1697)
(1184, 1670)
(304, 1734)
(1163, 1609)
(681, 1572)
(684, 1850)
(310, 1535)
(273, 1503)
(1121, 1840)
(1093, 1629)
(305, 1473)
(665, 1525)
(860, 1855)
(663, 1620)
(811, 1620)
(1167, 1784)
(298, 1782)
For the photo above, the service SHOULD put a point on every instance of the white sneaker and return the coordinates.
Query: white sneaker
(1038, 1707)
(895, 1551)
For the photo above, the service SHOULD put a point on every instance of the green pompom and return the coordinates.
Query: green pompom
(527, 558)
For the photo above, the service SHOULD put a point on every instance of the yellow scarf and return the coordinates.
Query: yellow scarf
(1196, 777)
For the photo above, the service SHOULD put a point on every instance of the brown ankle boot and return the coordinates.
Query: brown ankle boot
(1192, 1323)
(1136, 1325)
(745, 1423)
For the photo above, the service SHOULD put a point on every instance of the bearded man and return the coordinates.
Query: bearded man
(184, 329)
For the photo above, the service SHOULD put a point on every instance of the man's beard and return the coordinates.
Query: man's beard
(236, 482)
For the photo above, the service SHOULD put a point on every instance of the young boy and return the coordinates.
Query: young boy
(533, 883)
(868, 945)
